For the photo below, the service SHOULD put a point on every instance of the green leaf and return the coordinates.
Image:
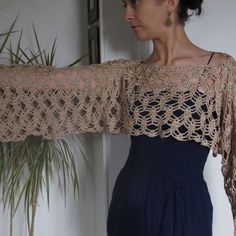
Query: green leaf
(8, 35)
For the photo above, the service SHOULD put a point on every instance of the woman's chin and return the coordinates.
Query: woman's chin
(141, 37)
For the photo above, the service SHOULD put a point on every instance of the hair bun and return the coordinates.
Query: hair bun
(193, 4)
(185, 5)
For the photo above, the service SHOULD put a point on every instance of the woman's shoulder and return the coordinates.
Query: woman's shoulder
(222, 58)
(227, 66)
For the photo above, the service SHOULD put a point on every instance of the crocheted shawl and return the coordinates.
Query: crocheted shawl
(125, 96)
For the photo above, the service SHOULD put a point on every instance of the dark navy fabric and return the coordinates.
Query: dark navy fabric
(160, 191)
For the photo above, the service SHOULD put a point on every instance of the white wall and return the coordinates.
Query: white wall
(214, 30)
(65, 19)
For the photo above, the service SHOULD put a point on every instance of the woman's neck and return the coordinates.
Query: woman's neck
(172, 46)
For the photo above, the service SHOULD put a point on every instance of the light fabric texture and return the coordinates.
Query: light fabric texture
(55, 102)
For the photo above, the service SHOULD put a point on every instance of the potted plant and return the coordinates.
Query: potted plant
(28, 167)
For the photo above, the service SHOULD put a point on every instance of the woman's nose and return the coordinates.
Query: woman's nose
(128, 15)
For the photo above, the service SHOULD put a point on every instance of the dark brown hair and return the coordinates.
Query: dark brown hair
(185, 6)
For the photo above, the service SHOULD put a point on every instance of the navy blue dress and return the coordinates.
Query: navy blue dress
(160, 191)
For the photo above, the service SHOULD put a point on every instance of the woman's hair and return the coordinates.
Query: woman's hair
(185, 6)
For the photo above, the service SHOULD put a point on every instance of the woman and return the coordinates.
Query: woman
(160, 190)
(176, 105)
(163, 22)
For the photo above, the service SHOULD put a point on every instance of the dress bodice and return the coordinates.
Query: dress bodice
(173, 158)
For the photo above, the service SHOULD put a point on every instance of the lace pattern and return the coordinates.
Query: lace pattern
(192, 102)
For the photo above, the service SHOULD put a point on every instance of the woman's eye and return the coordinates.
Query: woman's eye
(132, 2)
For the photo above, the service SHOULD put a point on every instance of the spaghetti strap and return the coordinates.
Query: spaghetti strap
(210, 58)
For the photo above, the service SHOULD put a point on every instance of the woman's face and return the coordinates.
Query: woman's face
(146, 17)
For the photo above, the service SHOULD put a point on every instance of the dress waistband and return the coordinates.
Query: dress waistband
(175, 171)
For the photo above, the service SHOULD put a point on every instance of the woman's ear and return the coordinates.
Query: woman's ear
(172, 4)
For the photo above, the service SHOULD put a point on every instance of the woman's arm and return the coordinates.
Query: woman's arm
(54, 102)
(227, 144)
(51, 77)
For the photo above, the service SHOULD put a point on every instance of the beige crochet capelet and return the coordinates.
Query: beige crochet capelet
(55, 102)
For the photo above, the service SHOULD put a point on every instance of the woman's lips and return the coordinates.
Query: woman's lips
(135, 27)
